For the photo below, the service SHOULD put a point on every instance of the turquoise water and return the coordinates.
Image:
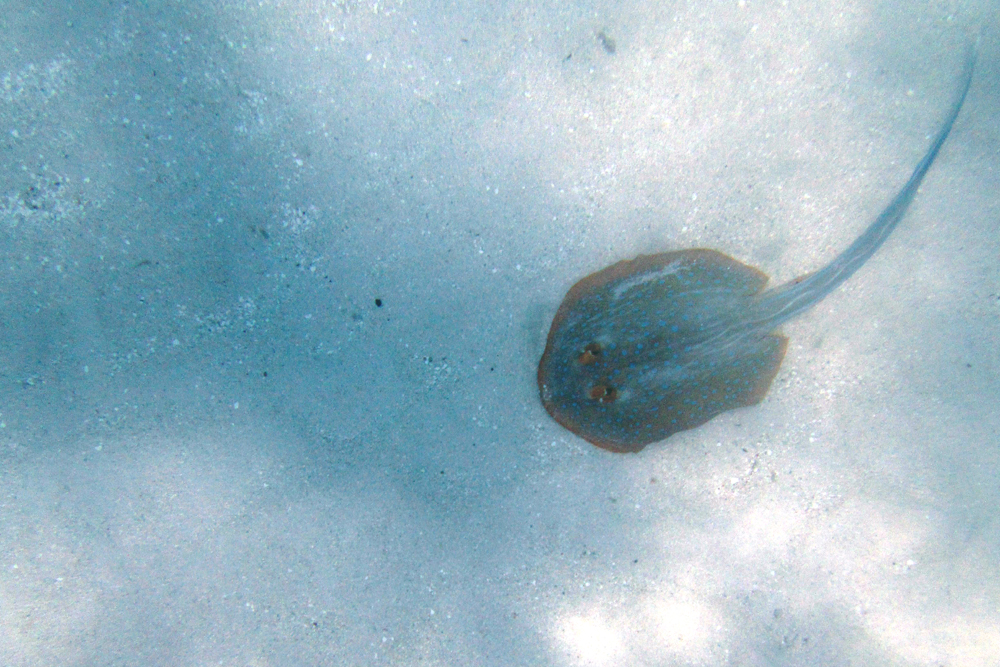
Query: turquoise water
(276, 279)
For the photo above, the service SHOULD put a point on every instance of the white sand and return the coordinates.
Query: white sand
(215, 449)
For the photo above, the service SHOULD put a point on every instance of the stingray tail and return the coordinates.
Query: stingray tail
(788, 300)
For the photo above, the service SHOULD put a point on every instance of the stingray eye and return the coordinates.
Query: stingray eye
(590, 354)
(604, 393)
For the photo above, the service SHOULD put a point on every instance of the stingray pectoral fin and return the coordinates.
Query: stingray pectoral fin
(729, 379)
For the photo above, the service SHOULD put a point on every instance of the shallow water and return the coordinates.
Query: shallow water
(217, 447)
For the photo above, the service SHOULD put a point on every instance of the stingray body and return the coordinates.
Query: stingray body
(662, 343)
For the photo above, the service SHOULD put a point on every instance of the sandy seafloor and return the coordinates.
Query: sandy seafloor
(215, 449)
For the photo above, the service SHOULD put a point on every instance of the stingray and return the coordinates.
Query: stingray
(649, 347)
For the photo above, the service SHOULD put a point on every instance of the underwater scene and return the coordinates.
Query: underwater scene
(587, 334)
